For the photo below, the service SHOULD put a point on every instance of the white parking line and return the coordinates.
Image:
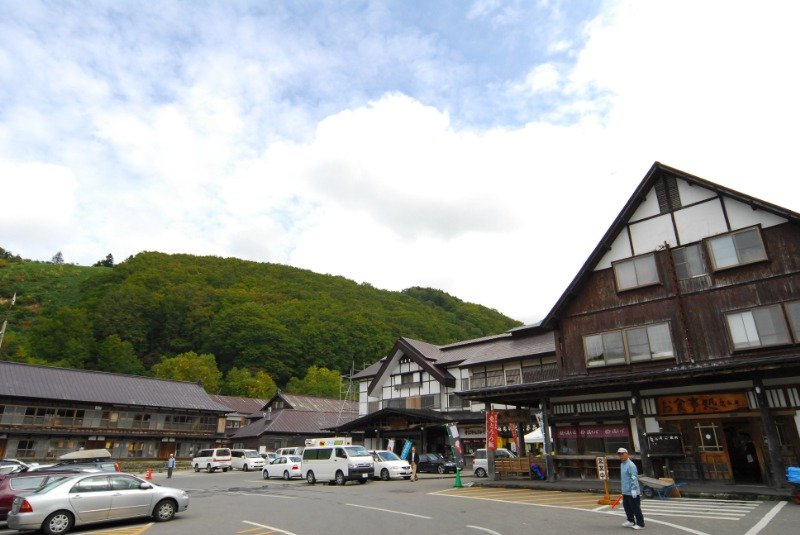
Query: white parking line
(269, 527)
(767, 517)
(487, 530)
(389, 511)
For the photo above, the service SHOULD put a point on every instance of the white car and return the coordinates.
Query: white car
(246, 460)
(285, 466)
(481, 465)
(389, 466)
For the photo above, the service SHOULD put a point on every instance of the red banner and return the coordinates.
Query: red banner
(592, 431)
(491, 430)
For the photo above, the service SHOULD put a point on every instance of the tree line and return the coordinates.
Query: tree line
(253, 327)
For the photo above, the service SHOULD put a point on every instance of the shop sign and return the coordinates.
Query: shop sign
(592, 431)
(701, 404)
(397, 423)
(491, 430)
(602, 473)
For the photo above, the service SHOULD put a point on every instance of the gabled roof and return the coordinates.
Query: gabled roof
(85, 386)
(514, 344)
(656, 172)
(414, 418)
(240, 405)
(295, 422)
(312, 403)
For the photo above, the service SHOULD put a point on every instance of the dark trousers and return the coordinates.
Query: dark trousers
(633, 509)
(169, 472)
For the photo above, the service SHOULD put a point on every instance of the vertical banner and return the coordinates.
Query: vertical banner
(491, 430)
(515, 438)
(455, 444)
(406, 450)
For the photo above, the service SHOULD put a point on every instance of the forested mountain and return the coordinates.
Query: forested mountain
(249, 315)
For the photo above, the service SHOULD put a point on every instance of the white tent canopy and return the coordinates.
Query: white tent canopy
(534, 436)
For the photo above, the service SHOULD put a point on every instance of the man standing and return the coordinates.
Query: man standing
(170, 465)
(414, 463)
(631, 492)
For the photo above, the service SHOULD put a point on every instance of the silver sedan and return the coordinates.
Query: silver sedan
(90, 498)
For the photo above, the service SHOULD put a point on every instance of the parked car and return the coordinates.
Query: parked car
(212, 459)
(268, 456)
(22, 483)
(292, 450)
(340, 464)
(11, 466)
(246, 460)
(435, 462)
(90, 498)
(86, 461)
(389, 466)
(481, 465)
(285, 466)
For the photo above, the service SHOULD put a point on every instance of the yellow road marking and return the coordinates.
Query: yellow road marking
(526, 497)
(132, 530)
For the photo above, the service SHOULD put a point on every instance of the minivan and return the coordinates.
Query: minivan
(340, 464)
(246, 460)
(212, 459)
(292, 450)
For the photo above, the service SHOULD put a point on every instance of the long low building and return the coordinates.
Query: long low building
(47, 411)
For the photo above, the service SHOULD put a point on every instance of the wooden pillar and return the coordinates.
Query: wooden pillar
(775, 467)
(641, 431)
(548, 445)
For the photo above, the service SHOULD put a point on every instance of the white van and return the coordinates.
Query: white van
(293, 450)
(481, 463)
(212, 460)
(339, 464)
(246, 460)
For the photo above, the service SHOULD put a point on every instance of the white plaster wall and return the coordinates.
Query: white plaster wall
(649, 235)
(648, 208)
(691, 194)
(651, 425)
(619, 249)
(741, 215)
(700, 221)
(635, 435)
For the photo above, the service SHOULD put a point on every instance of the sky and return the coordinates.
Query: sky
(479, 147)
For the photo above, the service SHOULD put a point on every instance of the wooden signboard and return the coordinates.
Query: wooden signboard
(702, 403)
(665, 444)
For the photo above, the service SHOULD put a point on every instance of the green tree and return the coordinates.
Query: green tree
(117, 355)
(108, 261)
(58, 258)
(240, 382)
(65, 337)
(318, 381)
(191, 367)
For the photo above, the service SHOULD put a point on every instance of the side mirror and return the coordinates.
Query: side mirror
(145, 485)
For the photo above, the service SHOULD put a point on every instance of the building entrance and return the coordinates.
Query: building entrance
(743, 452)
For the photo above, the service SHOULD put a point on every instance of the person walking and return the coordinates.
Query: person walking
(414, 463)
(631, 492)
(170, 465)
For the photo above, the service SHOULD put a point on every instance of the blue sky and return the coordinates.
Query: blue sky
(478, 147)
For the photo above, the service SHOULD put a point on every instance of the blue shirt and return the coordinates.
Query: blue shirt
(629, 477)
(171, 462)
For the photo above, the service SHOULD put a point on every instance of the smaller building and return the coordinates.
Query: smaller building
(289, 419)
(244, 411)
(47, 411)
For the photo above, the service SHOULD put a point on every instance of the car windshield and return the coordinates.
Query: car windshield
(53, 483)
(436, 456)
(252, 454)
(295, 458)
(357, 451)
(388, 456)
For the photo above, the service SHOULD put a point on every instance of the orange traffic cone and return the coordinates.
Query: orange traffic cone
(148, 475)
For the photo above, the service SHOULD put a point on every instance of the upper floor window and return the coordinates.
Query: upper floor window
(636, 272)
(793, 311)
(689, 262)
(636, 344)
(736, 249)
(759, 327)
(513, 376)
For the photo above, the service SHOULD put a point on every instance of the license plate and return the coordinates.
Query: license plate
(364, 475)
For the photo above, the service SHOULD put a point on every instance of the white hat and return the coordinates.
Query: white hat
(622, 450)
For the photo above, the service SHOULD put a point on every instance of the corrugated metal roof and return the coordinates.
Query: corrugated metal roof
(84, 386)
(296, 422)
(313, 403)
(242, 405)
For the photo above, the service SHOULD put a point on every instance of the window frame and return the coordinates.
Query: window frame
(626, 352)
(633, 261)
(788, 328)
(708, 243)
(702, 261)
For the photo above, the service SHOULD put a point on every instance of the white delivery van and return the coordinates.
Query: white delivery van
(329, 441)
(337, 463)
(292, 450)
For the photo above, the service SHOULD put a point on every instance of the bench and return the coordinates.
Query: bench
(518, 467)
(663, 489)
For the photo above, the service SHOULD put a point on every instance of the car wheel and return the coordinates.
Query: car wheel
(265, 474)
(209, 469)
(197, 468)
(385, 474)
(440, 469)
(310, 478)
(57, 523)
(245, 469)
(165, 510)
(340, 478)
(480, 472)
(286, 475)
(224, 470)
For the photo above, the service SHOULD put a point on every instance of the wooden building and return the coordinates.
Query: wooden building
(679, 337)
